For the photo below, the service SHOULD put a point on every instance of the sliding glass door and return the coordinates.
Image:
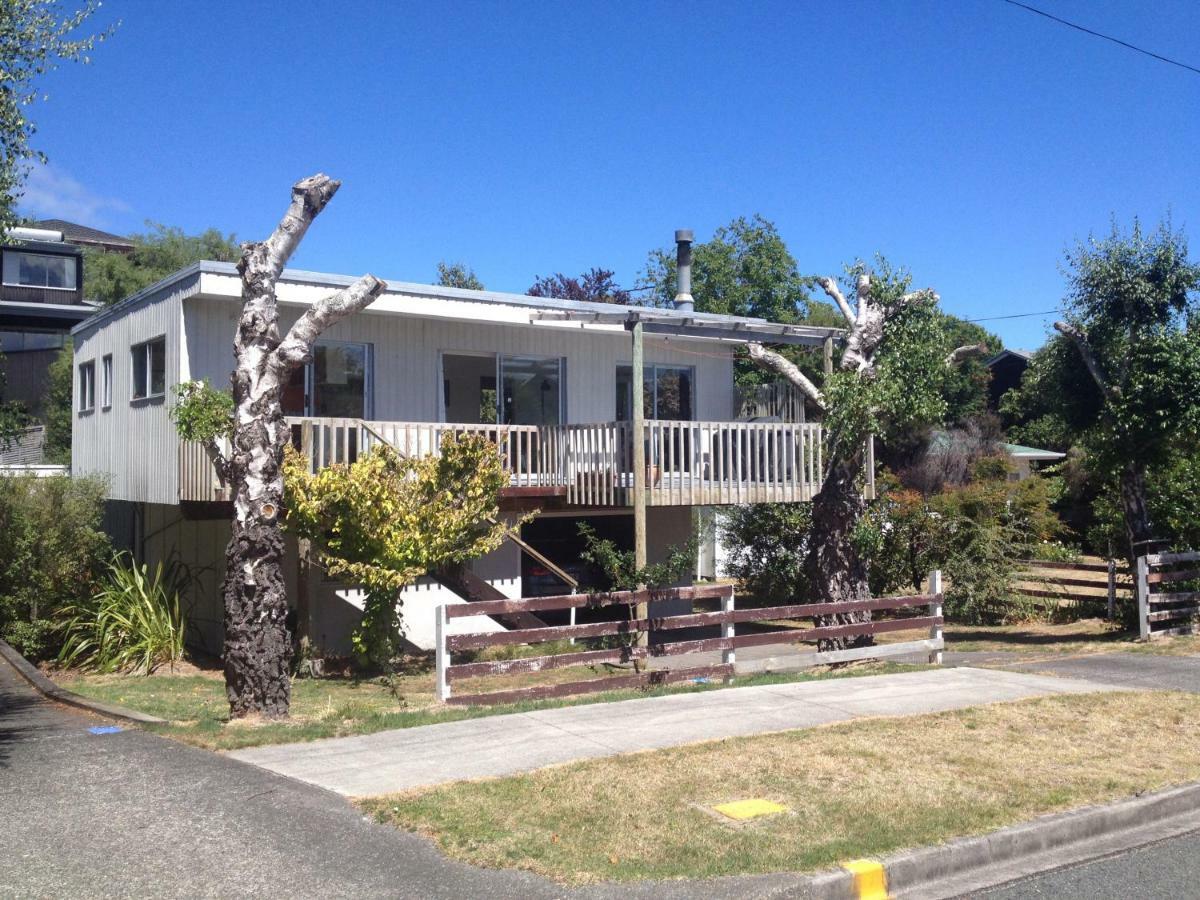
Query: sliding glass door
(335, 384)
(531, 390)
(667, 393)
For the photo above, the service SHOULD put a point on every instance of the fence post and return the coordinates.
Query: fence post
(441, 626)
(935, 609)
(1112, 588)
(1143, 597)
(728, 630)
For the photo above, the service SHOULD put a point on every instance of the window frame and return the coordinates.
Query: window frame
(652, 413)
(87, 387)
(106, 381)
(15, 251)
(144, 347)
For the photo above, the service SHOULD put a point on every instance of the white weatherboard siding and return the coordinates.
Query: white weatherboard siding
(407, 363)
(134, 443)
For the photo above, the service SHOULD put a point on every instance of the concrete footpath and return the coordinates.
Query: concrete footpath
(390, 761)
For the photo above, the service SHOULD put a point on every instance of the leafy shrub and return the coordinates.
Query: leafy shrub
(766, 545)
(622, 574)
(52, 552)
(133, 623)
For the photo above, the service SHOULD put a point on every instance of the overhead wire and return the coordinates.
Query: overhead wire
(1106, 37)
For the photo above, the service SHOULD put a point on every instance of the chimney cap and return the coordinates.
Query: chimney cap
(684, 234)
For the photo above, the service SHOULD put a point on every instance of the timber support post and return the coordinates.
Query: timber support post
(728, 630)
(639, 468)
(935, 611)
(1143, 597)
(1112, 588)
(441, 627)
(827, 356)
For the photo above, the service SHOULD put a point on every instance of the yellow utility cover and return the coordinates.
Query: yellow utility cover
(870, 879)
(749, 809)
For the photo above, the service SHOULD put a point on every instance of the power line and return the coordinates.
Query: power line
(1014, 316)
(1126, 44)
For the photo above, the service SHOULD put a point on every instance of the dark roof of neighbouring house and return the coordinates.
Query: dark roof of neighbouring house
(1026, 355)
(74, 233)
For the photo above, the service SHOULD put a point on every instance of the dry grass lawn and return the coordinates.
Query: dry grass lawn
(854, 789)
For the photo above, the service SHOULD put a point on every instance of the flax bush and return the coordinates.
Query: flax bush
(133, 623)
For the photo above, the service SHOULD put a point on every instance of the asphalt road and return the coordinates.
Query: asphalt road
(1167, 869)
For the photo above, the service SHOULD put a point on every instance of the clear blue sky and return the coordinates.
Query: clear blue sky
(967, 139)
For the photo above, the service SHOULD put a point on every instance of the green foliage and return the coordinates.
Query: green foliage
(52, 551)
(906, 392)
(767, 544)
(110, 277)
(746, 269)
(56, 407)
(384, 520)
(35, 36)
(133, 623)
(620, 570)
(458, 275)
(201, 412)
(964, 387)
(13, 415)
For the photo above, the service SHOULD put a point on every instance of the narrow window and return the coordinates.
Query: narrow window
(87, 386)
(149, 365)
(106, 381)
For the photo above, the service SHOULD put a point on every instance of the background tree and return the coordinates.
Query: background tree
(257, 646)
(745, 270)
(35, 36)
(56, 407)
(457, 275)
(1132, 323)
(593, 286)
(161, 250)
(385, 519)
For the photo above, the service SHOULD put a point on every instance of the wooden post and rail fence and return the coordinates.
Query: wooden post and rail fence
(644, 637)
(1168, 594)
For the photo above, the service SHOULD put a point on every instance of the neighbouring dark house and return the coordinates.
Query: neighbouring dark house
(41, 299)
(1006, 367)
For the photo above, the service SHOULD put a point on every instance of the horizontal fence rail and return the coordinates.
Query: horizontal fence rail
(661, 642)
(687, 463)
(1175, 609)
(1090, 582)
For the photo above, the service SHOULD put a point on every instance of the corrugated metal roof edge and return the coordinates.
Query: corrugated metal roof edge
(325, 279)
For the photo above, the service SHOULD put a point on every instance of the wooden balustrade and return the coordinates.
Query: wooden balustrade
(687, 463)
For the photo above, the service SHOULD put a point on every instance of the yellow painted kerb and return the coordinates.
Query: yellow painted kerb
(749, 809)
(870, 879)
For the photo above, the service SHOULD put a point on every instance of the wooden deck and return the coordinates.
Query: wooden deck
(588, 465)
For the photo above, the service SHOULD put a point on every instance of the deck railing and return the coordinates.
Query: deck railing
(687, 463)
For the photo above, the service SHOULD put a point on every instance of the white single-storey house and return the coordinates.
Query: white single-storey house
(550, 380)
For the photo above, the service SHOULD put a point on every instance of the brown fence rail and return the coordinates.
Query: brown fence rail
(629, 630)
(1175, 610)
(1090, 582)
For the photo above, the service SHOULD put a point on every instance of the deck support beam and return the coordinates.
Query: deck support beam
(639, 465)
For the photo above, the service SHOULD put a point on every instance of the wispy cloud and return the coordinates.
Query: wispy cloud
(51, 193)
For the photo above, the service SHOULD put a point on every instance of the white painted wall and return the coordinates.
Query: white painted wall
(133, 443)
(407, 364)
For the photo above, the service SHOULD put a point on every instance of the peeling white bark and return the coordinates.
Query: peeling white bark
(829, 286)
(1079, 337)
(965, 352)
(257, 643)
(779, 363)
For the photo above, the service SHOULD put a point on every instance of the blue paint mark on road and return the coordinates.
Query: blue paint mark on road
(105, 729)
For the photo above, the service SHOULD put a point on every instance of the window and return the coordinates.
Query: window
(106, 382)
(39, 270)
(87, 386)
(667, 393)
(336, 383)
(531, 390)
(149, 363)
(31, 339)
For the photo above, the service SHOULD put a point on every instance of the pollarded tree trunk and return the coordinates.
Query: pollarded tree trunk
(836, 571)
(258, 647)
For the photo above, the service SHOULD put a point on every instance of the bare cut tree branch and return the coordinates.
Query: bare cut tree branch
(829, 286)
(965, 352)
(1079, 336)
(779, 363)
(218, 460)
(925, 295)
(309, 196)
(297, 346)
